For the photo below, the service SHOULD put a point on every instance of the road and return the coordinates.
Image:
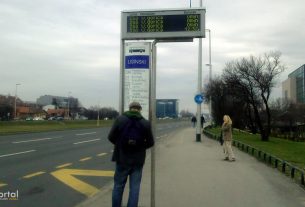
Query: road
(60, 168)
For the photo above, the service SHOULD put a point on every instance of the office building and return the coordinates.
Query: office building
(294, 87)
(58, 101)
(167, 108)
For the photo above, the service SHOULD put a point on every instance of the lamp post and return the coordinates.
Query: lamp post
(69, 93)
(98, 116)
(210, 72)
(17, 84)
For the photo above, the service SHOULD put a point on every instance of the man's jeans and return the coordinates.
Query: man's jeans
(120, 177)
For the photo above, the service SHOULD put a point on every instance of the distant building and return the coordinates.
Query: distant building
(167, 108)
(58, 101)
(294, 87)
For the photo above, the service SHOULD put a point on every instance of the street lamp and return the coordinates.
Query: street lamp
(69, 104)
(210, 72)
(17, 84)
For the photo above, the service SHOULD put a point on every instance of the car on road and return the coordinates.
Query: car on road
(59, 118)
(29, 118)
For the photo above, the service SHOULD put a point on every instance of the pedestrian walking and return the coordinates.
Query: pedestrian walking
(202, 121)
(131, 135)
(194, 120)
(226, 130)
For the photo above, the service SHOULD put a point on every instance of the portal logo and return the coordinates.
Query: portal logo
(9, 196)
(137, 61)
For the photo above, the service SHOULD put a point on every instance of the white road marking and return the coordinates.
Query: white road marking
(36, 140)
(92, 140)
(85, 133)
(17, 153)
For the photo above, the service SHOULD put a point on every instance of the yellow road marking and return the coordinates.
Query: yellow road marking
(64, 165)
(33, 175)
(2, 184)
(102, 154)
(85, 159)
(67, 177)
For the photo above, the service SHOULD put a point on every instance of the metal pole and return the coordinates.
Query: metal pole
(69, 104)
(153, 120)
(121, 89)
(198, 127)
(17, 84)
(98, 116)
(121, 98)
(210, 72)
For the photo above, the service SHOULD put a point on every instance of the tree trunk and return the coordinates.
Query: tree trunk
(264, 136)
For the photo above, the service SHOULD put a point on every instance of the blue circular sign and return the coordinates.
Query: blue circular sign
(198, 98)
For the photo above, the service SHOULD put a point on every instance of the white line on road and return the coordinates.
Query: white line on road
(36, 140)
(85, 133)
(17, 153)
(92, 140)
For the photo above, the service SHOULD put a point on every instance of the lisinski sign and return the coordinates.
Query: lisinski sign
(137, 65)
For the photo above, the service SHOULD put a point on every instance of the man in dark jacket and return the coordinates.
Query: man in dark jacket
(129, 162)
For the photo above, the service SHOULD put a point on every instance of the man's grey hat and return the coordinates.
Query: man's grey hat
(135, 105)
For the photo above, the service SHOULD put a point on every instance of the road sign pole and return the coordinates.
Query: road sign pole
(198, 127)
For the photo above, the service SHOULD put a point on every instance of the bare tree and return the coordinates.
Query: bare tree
(253, 79)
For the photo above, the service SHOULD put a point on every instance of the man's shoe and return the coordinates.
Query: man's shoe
(226, 159)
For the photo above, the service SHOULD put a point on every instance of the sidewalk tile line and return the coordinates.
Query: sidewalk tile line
(33, 175)
(101, 154)
(85, 159)
(63, 165)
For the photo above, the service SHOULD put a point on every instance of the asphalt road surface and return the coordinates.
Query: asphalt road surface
(60, 168)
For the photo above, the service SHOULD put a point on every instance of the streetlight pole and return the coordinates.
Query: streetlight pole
(69, 104)
(98, 116)
(17, 84)
(210, 72)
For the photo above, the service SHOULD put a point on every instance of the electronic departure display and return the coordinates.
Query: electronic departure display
(164, 24)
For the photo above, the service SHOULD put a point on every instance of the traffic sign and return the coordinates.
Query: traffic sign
(199, 98)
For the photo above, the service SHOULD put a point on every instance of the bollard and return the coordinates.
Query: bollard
(292, 172)
(283, 166)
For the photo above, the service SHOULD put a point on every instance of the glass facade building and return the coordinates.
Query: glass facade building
(167, 108)
(299, 76)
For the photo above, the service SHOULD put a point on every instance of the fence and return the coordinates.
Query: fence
(285, 167)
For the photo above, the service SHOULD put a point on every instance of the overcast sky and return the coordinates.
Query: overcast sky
(53, 47)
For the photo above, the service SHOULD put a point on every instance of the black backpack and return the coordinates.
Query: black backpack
(132, 136)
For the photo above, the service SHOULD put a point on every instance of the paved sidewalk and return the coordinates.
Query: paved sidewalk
(193, 174)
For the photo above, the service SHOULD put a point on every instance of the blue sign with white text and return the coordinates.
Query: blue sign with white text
(137, 61)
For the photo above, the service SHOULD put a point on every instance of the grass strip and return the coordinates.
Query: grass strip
(290, 151)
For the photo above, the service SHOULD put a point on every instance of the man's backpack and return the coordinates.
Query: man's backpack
(132, 136)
